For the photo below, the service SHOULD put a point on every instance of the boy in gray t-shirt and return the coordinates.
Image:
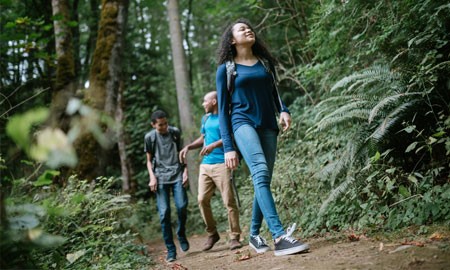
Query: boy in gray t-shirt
(161, 146)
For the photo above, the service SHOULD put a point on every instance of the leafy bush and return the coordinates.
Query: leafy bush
(376, 147)
(78, 227)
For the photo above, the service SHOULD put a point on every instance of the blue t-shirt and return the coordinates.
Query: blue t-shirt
(252, 102)
(211, 133)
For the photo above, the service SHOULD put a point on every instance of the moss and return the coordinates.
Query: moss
(65, 71)
(88, 163)
(106, 39)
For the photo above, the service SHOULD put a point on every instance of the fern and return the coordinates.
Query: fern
(336, 119)
(383, 130)
(376, 74)
(387, 101)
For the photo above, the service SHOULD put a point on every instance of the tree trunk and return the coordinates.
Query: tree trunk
(105, 77)
(129, 185)
(183, 86)
(64, 87)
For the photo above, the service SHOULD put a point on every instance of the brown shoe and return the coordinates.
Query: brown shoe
(235, 244)
(211, 241)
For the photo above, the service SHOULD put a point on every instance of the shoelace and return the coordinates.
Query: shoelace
(260, 240)
(290, 230)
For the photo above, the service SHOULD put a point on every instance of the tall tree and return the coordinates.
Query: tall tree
(183, 85)
(65, 69)
(105, 79)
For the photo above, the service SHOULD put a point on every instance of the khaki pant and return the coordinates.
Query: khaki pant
(210, 177)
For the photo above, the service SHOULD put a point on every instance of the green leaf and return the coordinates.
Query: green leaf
(404, 191)
(376, 157)
(413, 179)
(46, 178)
(411, 147)
(439, 134)
(19, 126)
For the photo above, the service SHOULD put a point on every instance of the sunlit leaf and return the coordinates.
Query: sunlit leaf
(46, 178)
(19, 126)
(72, 257)
(411, 147)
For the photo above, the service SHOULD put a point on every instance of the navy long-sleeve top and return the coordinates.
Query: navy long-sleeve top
(254, 101)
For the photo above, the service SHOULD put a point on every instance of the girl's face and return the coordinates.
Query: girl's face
(242, 34)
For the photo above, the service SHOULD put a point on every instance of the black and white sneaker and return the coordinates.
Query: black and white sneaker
(289, 245)
(258, 243)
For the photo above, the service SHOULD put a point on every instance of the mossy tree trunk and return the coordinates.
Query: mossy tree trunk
(183, 86)
(64, 87)
(104, 79)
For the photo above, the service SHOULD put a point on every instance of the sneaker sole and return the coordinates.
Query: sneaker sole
(292, 250)
(259, 250)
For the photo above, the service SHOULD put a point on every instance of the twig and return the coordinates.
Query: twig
(420, 195)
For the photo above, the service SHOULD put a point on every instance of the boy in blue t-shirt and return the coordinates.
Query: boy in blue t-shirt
(214, 174)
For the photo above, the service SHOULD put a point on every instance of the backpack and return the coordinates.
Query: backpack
(176, 137)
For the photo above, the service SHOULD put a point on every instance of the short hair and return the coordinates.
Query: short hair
(158, 115)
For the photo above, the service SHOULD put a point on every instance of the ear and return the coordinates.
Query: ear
(214, 101)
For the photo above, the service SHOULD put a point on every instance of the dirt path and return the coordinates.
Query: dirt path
(349, 252)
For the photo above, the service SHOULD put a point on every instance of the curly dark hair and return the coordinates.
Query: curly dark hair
(227, 51)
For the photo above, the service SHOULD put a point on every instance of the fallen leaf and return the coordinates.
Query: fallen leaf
(353, 237)
(436, 236)
(178, 266)
(243, 256)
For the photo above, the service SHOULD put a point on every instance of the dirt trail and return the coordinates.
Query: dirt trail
(347, 253)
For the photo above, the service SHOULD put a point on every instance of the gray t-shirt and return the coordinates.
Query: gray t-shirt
(167, 167)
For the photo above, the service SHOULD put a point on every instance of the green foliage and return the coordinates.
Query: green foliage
(376, 149)
(81, 226)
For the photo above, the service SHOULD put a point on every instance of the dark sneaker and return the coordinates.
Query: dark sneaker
(289, 245)
(258, 243)
(171, 257)
(184, 244)
(211, 241)
(235, 244)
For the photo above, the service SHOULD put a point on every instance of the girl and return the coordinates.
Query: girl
(248, 103)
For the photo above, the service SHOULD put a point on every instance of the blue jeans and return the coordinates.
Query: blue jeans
(163, 203)
(258, 148)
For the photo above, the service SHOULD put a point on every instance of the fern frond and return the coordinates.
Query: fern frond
(387, 101)
(380, 75)
(394, 117)
(336, 193)
(337, 119)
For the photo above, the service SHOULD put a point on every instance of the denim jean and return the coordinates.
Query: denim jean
(163, 204)
(258, 148)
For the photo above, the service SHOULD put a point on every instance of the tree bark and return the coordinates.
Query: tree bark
(105, 78)
(183, 86)
(64, 87)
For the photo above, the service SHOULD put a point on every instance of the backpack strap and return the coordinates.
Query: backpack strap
(231, 75)
(176, 136)
(270, 69)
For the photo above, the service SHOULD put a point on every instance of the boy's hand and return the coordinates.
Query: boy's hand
(153, 184)
(207, 150)
(182, 155)
(185, 177)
